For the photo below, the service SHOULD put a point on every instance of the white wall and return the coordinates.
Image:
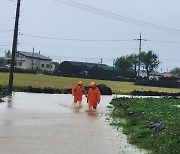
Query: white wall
(38, 64)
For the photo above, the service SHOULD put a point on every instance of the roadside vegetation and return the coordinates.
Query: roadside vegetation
(1, 100)
(151, 124)
(22, 81)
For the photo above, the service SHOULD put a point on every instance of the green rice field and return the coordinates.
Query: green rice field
(37, 80)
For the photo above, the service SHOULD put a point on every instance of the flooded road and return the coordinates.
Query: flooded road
(47, 124)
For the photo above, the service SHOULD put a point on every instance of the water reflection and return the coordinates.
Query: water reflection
(94, 114)
(8, 122)
(49, 124)
(9, 102)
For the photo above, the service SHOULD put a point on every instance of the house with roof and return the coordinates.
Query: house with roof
(84, 69)
(169, 74)
(89, 65)
(34, 61)
(152, 75)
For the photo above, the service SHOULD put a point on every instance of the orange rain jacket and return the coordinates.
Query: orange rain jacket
(94, 96)
(77, 92)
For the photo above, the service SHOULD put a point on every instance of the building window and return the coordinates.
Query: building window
(42, 65)
(18, 63)
(48, 66)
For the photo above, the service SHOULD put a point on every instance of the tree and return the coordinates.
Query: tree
(149, 60)
(8, 54)
(176, 71)
(123, 64)
(3, 62)
(134, 62)
(56, 65)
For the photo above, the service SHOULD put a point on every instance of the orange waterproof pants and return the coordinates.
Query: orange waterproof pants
(92, 104)
(77, 98)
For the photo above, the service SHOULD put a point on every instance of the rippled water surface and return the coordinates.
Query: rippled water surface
(48, 124)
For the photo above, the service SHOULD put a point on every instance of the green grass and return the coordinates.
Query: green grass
(161, 111)
(23, 80)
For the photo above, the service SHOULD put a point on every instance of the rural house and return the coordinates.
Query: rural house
(84, 69)
(34, 61)
(88, 65)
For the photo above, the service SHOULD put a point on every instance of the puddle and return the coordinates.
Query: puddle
(47, 123)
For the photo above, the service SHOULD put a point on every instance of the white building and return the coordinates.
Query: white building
(153, 75)
(34, 61)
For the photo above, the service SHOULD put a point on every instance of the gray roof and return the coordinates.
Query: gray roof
(33, 55)
(84, 63)
(90, 65)
(156, 73)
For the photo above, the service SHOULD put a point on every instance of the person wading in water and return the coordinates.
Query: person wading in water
(94, 96)
(77, 91)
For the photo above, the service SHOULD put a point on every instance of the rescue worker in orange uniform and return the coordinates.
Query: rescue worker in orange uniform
(77, 91)
(94, 96)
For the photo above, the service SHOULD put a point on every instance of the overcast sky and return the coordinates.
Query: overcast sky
(64, 30)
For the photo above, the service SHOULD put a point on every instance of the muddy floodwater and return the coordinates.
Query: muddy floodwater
(48, 124)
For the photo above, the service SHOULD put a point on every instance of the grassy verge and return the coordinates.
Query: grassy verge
(1, 100)
(22, 81)
(152, 124)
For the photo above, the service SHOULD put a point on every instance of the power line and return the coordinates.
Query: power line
(80, 47)
(117, 17)
(89, 31)
(2, 31)
(93, 48)
(93, 40)
(70, 39)
(23, 44)
(5, 44)
(174, 60)
(163, 42)
(5, 37)
(12, 1)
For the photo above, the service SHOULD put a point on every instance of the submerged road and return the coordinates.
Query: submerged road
(47, 124)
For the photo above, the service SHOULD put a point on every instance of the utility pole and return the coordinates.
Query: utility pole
(33, 59)
(140, 40)
(14, 47)
(113, 68)
(101, 60)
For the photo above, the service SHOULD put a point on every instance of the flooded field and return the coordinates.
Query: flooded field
(48, 124)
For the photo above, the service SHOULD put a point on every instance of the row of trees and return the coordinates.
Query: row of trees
(176, 71)
(147, 60)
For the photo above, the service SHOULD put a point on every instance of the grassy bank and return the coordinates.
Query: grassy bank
(1, 100)
(23, 80)
(152, 124)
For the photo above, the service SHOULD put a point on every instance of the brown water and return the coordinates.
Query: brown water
(47, 124)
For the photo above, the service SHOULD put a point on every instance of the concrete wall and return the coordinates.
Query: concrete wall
(37, 64)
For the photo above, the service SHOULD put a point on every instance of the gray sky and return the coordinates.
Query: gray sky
(47, 25)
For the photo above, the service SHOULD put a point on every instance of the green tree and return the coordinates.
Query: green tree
(149, 61)
(176, 71)
(123, 64)
(134, 62)
(56, 65)
(3, 62)
(8, 54)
